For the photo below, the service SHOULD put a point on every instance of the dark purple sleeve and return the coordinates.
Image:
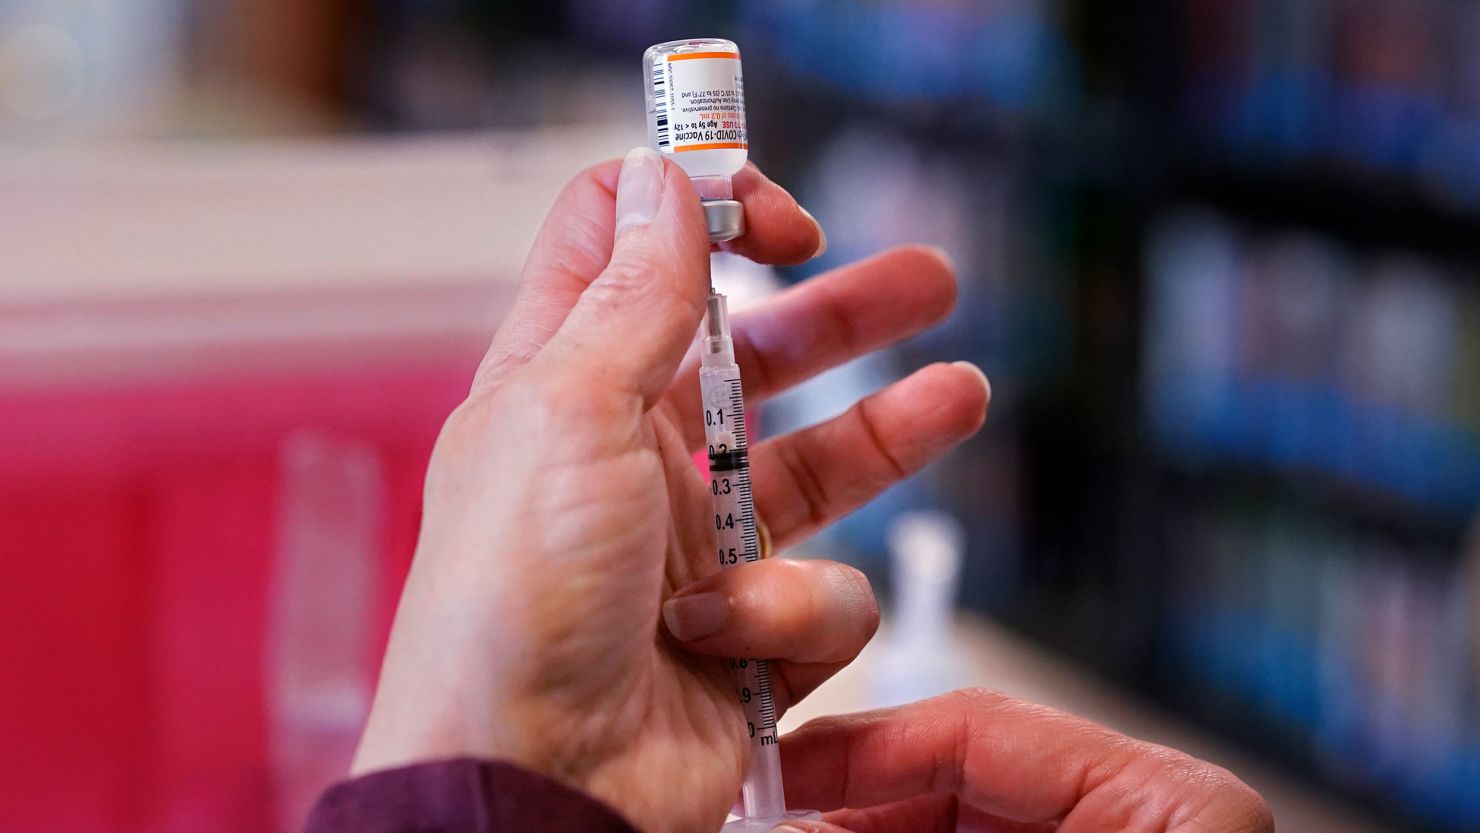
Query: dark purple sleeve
(462, 795)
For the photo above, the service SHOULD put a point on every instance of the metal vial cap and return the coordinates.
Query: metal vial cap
(725, 219)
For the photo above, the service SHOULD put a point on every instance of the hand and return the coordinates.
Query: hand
(980, 761)
(563, 508)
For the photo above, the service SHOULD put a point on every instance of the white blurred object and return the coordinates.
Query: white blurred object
(321, 649)
(1195, 269)
(743, 281)
(79, 68)
(42, 71)
(920, 657)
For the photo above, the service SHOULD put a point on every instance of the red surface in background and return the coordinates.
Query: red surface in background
(136, 544)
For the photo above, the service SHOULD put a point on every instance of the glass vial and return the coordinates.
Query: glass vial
(696, 110)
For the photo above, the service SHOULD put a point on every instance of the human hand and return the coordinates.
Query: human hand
(563, 508)
(982, 762)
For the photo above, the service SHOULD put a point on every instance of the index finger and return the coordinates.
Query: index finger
(574, 245)
(778, 230)
(1013, 760)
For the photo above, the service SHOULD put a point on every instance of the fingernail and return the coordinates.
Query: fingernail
(791, 828)
(697, 616)
(639, 188)
(821, 235)
(986, 383)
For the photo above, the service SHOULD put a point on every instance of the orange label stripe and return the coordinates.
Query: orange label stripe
(712, 146)
(690, 56)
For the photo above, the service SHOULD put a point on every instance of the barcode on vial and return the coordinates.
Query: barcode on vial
(660, 102)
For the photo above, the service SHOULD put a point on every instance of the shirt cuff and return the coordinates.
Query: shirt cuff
(460, 795)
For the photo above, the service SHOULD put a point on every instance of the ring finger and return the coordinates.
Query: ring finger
(822, 323)
(811, 477)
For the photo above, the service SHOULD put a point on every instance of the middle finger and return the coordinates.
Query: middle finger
(823, 323)
(809, 478)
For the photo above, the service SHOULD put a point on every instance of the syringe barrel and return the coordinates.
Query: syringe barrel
(761, 794)
(737, 543)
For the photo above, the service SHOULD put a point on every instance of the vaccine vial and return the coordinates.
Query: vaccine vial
(696, 116)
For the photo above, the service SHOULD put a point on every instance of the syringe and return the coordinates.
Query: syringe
(736, 537)
(696, 117)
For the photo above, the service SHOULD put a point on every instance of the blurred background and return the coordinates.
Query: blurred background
(1220, 258)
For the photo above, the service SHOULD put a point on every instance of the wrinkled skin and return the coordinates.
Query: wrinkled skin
(563, 507)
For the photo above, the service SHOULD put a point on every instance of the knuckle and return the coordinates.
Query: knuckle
(976, 697)
(609, 291)
(598, 174)
(467, 413)
(652, 280)
(972, 705)
(806, 482)
(890, 468)
(468, 423)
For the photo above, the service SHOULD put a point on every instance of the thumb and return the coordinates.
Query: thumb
(633, 323)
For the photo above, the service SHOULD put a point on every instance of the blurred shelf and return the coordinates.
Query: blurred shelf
(1364, 209)
(185, 219)
(1323, 495)
(134, 261)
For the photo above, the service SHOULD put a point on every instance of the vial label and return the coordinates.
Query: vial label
(699, 102)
